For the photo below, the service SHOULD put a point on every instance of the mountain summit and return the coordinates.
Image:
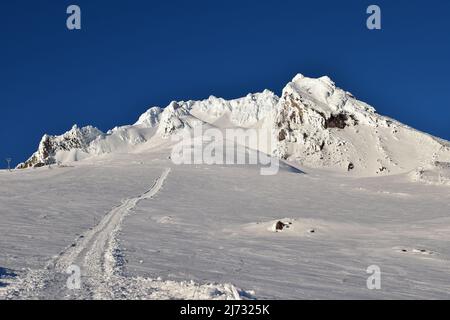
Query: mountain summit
(313, 123)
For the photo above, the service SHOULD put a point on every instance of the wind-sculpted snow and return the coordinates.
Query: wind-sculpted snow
(150, 118)
(244, 112)
(314, 123)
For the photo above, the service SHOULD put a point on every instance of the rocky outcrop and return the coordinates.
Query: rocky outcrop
(76, 138)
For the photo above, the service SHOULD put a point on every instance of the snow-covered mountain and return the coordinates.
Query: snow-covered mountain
(138, 225)
(313, 123)
(322, 126)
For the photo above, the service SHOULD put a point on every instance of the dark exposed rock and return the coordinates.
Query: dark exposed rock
(280, 226)
(381, 169)
(282, 135)
(336, 121)
(322, 145)
(442, 165)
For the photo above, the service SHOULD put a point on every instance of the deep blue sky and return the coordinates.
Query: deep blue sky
(133, 54)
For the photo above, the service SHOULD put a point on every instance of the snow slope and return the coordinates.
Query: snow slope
(203, 231)
(46, 240)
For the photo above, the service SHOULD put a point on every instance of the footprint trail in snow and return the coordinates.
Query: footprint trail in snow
(97, 255)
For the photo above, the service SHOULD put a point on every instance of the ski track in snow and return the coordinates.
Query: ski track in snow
(98, 256)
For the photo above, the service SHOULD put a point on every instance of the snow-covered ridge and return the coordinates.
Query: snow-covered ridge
(75, 145)
(314, 123)
(75, 140)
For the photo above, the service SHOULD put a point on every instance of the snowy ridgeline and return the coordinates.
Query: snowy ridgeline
(313, 123)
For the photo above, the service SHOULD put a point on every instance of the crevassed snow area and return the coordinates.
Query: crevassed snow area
(140, 227)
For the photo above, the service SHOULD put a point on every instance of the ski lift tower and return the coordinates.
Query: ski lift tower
(8, 160)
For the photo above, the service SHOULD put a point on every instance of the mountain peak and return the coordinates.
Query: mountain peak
(150, 118)
(314, 123)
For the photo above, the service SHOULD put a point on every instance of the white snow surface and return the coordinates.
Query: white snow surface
(141, 227)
